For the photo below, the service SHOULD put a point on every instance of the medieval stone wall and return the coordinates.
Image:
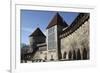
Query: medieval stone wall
(77, 43)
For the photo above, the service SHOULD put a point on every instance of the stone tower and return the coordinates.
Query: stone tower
(54, 29)
(37, 37)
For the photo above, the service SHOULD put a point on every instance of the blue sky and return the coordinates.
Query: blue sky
(31, 19)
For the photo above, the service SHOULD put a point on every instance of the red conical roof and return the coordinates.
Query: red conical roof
(57, 20)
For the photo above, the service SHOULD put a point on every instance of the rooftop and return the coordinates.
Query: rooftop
(57, 20)
(36, 33)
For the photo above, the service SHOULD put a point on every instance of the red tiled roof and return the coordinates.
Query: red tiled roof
(57, 20)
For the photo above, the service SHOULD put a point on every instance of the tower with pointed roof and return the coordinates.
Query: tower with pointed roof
(37, 37)
(54, 29)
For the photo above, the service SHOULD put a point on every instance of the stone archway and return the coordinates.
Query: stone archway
(74, 55)
(52, 58)
(84, 54)
(64, 55)
(70, 55)
(78, 54)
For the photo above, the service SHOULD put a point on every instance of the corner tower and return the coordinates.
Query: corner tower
(54, 29)
(37, 37)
